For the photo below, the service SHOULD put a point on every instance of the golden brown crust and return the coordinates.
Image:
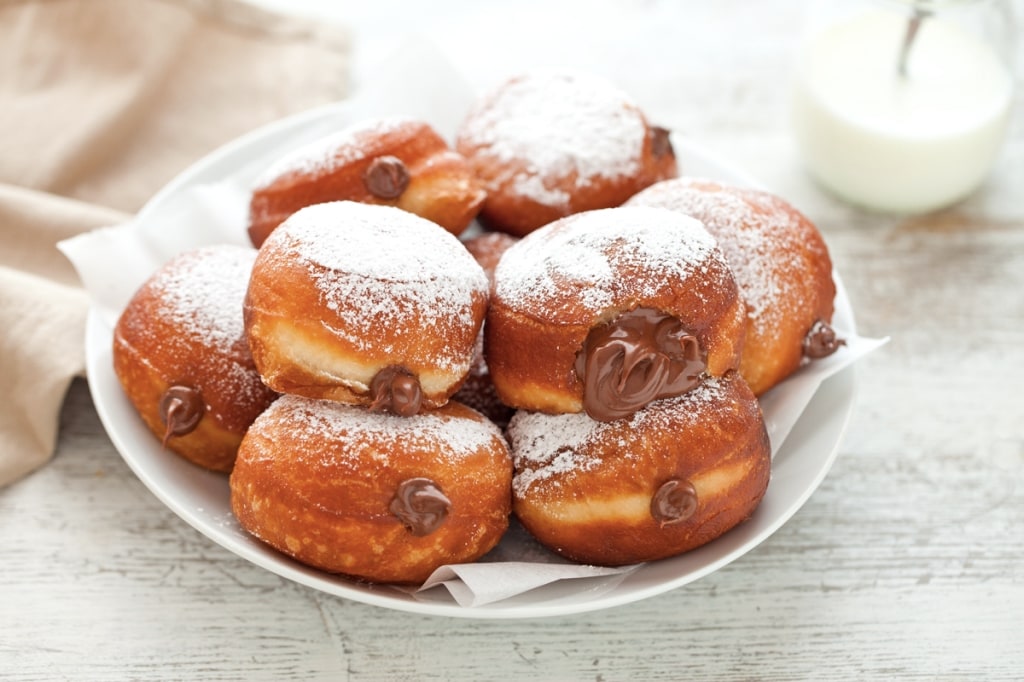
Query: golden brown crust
(781, 262)
(588, 496)
(531, 342)
(509, 137)
(158, 343)
(325, 332)
(316, 480)
(441, 186)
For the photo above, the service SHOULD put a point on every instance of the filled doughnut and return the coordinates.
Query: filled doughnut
(364, 304)
(607, 310)
(377, 496)
(782, 267)
(395, 161)
(181, 356)
(676, 475)
(547, 145)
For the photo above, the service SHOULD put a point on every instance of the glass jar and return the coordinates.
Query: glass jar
(902, 106)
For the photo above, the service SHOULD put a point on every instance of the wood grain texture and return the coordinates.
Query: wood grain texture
(905, 564)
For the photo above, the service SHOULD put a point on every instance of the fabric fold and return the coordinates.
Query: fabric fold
(105, 102)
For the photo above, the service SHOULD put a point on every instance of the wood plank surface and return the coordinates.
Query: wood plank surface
(905, 564)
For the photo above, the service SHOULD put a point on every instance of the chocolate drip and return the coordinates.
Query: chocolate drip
(180, 408)
(640, 356)
(386, 177)
(396, 390)
(821, 341)
(661, 142)
(674, 502)
(420, 505)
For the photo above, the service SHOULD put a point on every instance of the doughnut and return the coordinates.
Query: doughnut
(606, 310)
(364, 304)
(677, 474)
(782, 267)
(547, 145)
(395, 161)
(181, 356)
(478, 391)
(376, 496)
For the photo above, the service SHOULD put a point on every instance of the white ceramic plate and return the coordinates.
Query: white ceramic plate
(201, 498)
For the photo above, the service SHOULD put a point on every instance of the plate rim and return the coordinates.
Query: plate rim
(841, 386)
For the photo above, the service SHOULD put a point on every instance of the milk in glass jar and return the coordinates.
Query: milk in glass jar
(901, 106)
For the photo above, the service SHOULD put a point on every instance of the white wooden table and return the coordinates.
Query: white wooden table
(905, 564)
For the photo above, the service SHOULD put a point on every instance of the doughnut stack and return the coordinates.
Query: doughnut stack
(386, 388)
(365, 318)
(617, 334)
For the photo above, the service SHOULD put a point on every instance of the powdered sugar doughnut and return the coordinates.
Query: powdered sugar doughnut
(547, 145)
(364, 304)
(676, 475)
(606, 310)
(395, 161)
(782, 267)
(181, 355)
(376, 496)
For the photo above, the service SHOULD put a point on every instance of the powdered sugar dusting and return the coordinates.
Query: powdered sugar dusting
(546, 446)
(201, 293)
(756, 234)
(192, 330)
(331, 152)
(388, 264)
(583, 256)
(533, 186)
(318, 424)
(560, 124)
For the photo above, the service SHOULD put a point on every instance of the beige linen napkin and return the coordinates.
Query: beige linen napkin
(101, 103)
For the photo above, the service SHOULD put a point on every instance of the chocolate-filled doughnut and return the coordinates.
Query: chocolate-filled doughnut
(373, 495)
(550, 144)
(181, 355)
(782, 267)
(395, 161)
(364, 304)
(606, 310)
(676, 475)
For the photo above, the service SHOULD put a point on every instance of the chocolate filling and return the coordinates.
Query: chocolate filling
(397, 390)
(661, 143)
(674, 502)
(180, 408)
(821, 341)
(386, 177)
(640, 356)
(420, 505)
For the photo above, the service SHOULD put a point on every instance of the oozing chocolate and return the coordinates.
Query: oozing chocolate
(180, 408)
(386, 177)
(661, 143)
(640, 356)
(674, 502)
(397, 390)
(821, 341)
(420, 505)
